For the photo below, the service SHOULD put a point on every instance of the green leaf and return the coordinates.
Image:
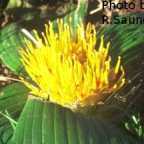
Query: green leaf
(126, 40)
(10, 42)
(12, 100)
(42, 122)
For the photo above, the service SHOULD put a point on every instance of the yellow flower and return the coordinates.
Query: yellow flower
(68, 70)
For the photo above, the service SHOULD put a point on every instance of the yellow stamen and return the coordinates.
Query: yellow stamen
(117, 65)
(67, 69)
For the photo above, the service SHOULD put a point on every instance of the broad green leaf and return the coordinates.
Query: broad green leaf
(126, 40)
(12, 100)
(5, 134)
(42, 122)
(10, 43)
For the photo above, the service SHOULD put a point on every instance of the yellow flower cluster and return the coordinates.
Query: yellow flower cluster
(67, 69)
